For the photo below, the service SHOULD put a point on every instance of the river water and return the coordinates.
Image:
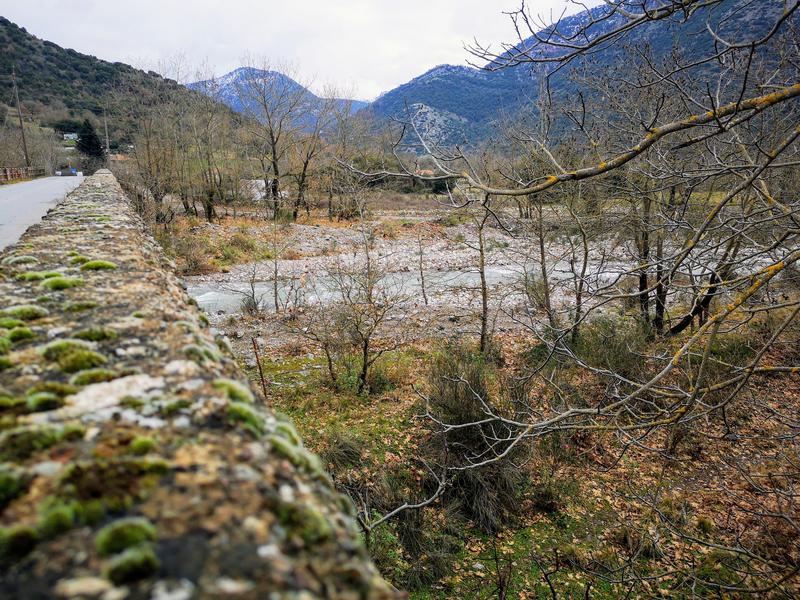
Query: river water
(441, 287)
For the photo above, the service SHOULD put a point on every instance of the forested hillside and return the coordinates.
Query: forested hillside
(59, 83)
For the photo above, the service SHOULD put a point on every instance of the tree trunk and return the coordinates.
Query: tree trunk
(644, 256)
(661, 285)
(362, 377)
(484, 288)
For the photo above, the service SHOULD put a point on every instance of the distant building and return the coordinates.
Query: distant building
(70, 136)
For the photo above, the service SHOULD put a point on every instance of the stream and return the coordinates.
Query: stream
(217, 297)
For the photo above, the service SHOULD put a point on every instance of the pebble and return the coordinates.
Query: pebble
(173, 590)
(226, 585)
(82, 586)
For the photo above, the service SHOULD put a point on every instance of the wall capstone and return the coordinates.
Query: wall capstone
(135, 462)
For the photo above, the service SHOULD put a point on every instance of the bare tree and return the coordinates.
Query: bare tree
(277, 106)
(700, 251)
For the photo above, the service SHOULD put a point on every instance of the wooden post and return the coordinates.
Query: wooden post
(19, 114)
(260, 370)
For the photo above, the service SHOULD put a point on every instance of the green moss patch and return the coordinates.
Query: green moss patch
(95, 334)
(22, 442)
(81, 360)
(305, 522)
(142, 445)
(78, 259)
(12, 486)
(54, 387)
(202, 353)
(17, 542)
(90, 376)
(79, 306)
(234, 390)
(61, 283)
(243, 414)
(22, 259)
(123, 534)
(37, 275)
(133, 564)
(19, 334)
(73, 355)
(25, 312)
(9, 323)
(98, 265)
(42, 401)
(58, 348)
(56, 520)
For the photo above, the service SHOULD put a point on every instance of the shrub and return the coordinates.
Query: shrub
(614, 344)
(195, 251)
(243, 242)
(343, 450)
(488, 495)
(635, 543)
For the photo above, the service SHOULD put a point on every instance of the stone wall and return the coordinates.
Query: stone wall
(135, 462)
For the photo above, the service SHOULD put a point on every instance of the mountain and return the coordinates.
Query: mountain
(61, 85)
(455, 104)
(232, 87)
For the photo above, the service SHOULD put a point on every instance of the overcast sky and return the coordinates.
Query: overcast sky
(366, 46)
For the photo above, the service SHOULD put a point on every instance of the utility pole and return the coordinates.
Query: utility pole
(19, 114)
(105, 125)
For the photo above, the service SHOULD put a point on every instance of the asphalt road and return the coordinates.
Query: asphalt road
(23, 204)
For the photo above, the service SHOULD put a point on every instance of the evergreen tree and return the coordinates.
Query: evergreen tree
(88, 142)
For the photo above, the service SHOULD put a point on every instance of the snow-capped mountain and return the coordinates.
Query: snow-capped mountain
(234, 90)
